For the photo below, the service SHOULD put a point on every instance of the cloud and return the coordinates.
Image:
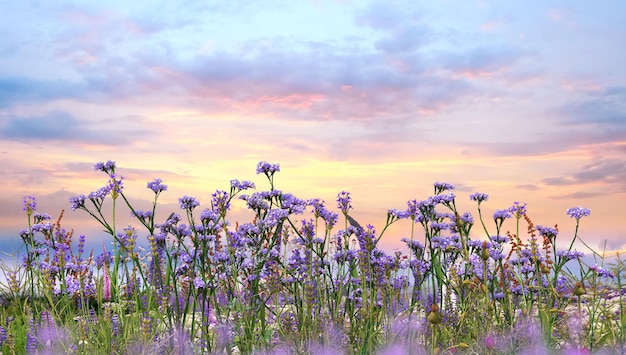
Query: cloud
(609, 172)
(17, 90)
(63, 126)
(605, 108)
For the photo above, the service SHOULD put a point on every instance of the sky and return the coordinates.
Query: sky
(523, 100)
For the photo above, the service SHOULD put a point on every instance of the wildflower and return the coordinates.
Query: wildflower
(499, 239)
(549, 232)
(601, 271)
(467, 218)
(518, 210)
(569, 255)
(101, 194)
(413, 211)
(237, 186)
(157, 186)
(220, 201)
(30, 205)
(293, 204)
(442, 186)
(199, 283)
(578, 212)
(479, 197)
(266, 168)
(344, 202)
(106, 286)
(502, 214)
(188, 203)
(77, 202)
(108, 167)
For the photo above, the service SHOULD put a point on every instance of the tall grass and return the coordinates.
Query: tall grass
(299, 278)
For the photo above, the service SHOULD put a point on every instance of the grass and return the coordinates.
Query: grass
(302, 279)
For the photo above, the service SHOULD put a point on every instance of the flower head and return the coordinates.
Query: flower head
(442, 186)
(108, 167)
(344, 201)
(518, 209)
(157, 186)
(502, 214)
(188, 203)
(578, 212)
(266, 168)
(30, 205)
(479, 197)
(77, 202)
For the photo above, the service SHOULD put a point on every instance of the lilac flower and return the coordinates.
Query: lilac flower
(500, 239)
(142, 215)
(199, 283)
(266, 168)
(40, 217)
(570, 255)
(344, 202)
(442, 186)
(30, 205)
(101, 194)
(157, 186)
(81, 244)
(444, 199)
(601, 271)
(395, 214)
(115, 185)
(467, 218)
(108, 167)
(220, 201)
(502, 215)
(549, 232)
(578, 212)
(479, 197)
(241, 185)
(518, 209)
(293, 204)
(77, 202)
(413, 211)
(188, 203)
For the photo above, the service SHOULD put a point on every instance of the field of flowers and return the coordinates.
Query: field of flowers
(300, 278)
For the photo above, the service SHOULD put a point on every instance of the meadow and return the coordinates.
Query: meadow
(300, 278)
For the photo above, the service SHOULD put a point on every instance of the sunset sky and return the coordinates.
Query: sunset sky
(523, 100)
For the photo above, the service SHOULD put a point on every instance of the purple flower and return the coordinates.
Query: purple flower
(467, 218)
(293, 204)
(442, 186)
(549, 232)
(30, 205)
(601, 271)
(344, 201)
(518, 209)
(266, 168)
(578, 212)
(157, 186)
(199, 283)
(100, 194)
(479, 197)
(502, 214)
(108, 167)
(241, 185)
(188, 203)
(413, 211)
(570, 255)
(77, 202)
(499, 239)
(220, 201)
